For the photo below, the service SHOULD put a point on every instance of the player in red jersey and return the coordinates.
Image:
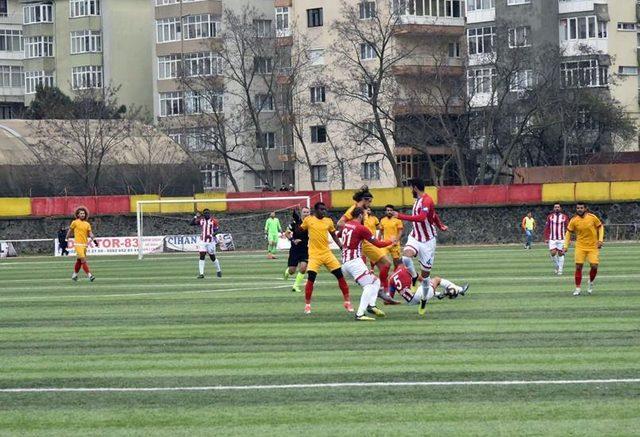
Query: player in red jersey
(401, 282)
(422, 240)
(555, 230)
(354, 233)
(207, 242)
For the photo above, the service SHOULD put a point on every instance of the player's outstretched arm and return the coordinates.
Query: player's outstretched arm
(335, 237)
(195, 220)
(412, 218)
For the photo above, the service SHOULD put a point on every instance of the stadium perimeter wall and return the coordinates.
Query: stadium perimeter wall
(468, 225)
(481, 195)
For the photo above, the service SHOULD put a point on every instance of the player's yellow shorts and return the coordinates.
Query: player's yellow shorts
(326, 259)
(395, 251)
(591, 255)
(81, 251)
(373, 253)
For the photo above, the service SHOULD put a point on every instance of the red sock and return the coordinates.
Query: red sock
(384, 276)
(308, 291)
(578, 277)
(592, 273)
(76, 268)
(85, 267)
(344, 287)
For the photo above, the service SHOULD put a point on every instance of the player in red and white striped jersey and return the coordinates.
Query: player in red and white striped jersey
(207, 243)
(555, 230)
(354, 233)
(422, 240)
(401, 282)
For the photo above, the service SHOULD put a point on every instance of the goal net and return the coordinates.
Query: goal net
(240, 227)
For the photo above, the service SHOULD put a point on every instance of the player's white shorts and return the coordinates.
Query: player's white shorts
(415, 300)
(425, 251)
(556, 244)
(207, 246)
(357, 269)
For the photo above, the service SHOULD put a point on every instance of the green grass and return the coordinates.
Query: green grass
(152, 324)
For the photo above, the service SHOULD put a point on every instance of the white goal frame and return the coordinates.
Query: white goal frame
(140, 206)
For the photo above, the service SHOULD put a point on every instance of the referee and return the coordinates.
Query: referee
(299, 252)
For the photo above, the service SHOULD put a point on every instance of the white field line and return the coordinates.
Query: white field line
(321, 386)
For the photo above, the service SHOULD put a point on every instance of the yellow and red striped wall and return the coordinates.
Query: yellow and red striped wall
(479, 195)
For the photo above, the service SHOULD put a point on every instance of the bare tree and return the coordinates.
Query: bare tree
(90, 140)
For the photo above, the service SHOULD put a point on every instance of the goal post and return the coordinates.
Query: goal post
(140, 204)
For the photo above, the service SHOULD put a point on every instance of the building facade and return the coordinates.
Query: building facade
(11, 60)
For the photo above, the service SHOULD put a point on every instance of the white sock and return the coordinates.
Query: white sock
(430, 294)
(367, 291)
(408, 263)
(560, 262)
(201, 266)
(374, 296)
(217, 264)
(445, 283)
(554, 260)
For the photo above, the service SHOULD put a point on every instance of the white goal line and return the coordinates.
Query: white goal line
(320, 386)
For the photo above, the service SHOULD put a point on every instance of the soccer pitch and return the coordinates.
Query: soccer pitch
(151, 325)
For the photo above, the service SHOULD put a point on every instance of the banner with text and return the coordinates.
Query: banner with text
(189, 243)
(118, 246)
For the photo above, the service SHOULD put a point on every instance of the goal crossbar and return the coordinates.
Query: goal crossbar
(140, 204)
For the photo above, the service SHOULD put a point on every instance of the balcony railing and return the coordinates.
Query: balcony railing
(571, 6)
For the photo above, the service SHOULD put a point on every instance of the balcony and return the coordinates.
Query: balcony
(430, 26)
(424, 66)
(584, 46)
(481, 16)
(572, 6)
(455, 106)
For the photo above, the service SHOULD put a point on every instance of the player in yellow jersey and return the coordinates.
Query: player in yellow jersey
(391, 229)
(371, 222)
(376, 255)
(319, 227)
(82, 236)
(589, 233)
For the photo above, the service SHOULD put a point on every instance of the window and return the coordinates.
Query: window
(33, 79)
(168, 66)
(167, 2)
(476, 5)
(268, 141)
(581, 74)
(367, 10)
(11, 76)
(201, 102)
(11, 40)
(481, 40)
(202, 64)
(577, 28)
(199, 26)
(367, 51)
(314, 17)
(432, 8)
(83, 8)
(318, 94)
(480, 80)
(263, 28)
(89, 76)
(319, 173)
(168, 29)
(518, 2)
(171, 104)
(282, 21)
(264, 102)
(3, 8)
(628, 71)
(86, 41)
(519, 36)
(454, 49)
(521, 81)
(38, 47)
(212, 176)
(316, 56)
(627, 27)
(263, 65)
(37, 14)
(370, 171)
(318, 134)
(367, 90)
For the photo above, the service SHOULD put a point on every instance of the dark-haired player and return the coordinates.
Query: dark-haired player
(299, 251)
(354, 234)
(319, 225)
(82, 236)
(207, 244)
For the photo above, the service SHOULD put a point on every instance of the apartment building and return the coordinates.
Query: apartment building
(194, 95)
(425, 29)
(81, 44)
(11, 58)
